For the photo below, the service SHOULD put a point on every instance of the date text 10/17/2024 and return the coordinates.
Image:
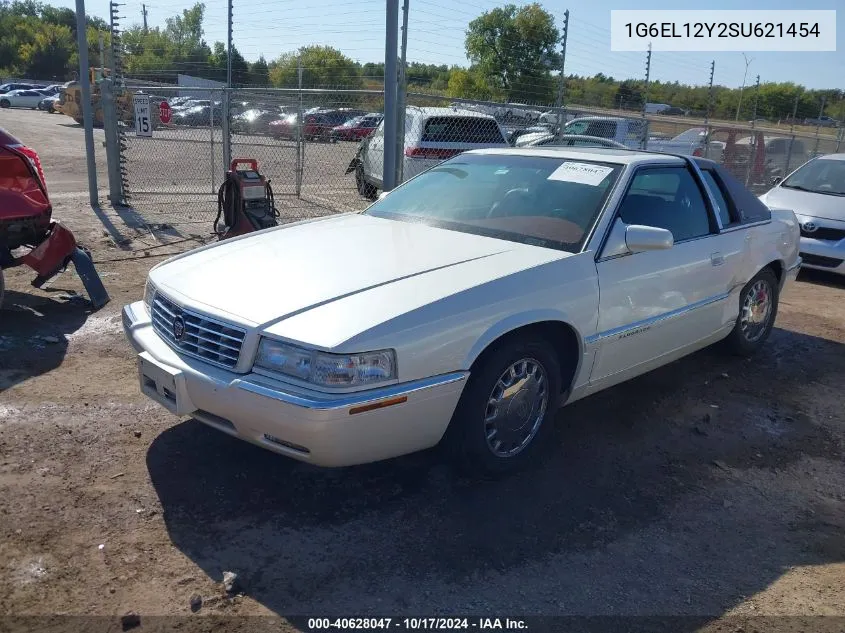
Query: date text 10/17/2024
(416, 624)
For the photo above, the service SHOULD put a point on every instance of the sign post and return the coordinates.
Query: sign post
(143, 122)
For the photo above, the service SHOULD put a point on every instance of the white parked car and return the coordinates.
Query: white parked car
(465, 306)
(816, 192)
(431, 136)
(21, 99)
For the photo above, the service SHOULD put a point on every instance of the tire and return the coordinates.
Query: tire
(364, 188)
(5, 103)
(753, 328)
(486, 439)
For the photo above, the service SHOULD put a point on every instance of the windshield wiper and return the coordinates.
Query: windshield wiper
(824, 193)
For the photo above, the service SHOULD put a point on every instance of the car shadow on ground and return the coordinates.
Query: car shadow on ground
(624, 516)
(822, 278)
(34, 330)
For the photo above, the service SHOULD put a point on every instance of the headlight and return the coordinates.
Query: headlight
(330, 370)
(149, 291)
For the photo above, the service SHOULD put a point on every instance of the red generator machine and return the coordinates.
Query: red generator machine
(244, 201)
(26, 222)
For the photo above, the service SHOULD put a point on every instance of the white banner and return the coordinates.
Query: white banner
(728, 30)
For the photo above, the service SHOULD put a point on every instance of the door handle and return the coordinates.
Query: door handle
(717, 259)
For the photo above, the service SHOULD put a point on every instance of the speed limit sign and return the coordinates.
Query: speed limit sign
(143, 121)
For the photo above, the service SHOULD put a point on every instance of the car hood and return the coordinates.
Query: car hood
(279, 273)
(816, 205)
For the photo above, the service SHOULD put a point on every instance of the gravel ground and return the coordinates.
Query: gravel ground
(713, 487)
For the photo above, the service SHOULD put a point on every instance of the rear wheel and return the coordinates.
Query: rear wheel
(507, 408)
(758, 307)
(364, 188)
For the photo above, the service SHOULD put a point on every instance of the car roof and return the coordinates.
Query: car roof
(832, 156)
(601, 118)
(463, 112)
(599, 154)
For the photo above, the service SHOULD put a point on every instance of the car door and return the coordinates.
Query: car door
(658, 304)
(32, 98)
(374, 156)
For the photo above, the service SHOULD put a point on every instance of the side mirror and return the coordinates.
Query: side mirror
(776, 181)
(647, 238)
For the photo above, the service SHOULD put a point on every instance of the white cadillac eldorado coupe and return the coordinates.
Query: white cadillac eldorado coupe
(463, 307)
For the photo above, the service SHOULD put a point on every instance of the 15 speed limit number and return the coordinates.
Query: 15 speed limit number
(143, 122)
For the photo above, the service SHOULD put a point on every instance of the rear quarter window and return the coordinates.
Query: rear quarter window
(464, 130)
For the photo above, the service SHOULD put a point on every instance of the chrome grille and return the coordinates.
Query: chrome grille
(202, 337)
(824, 233)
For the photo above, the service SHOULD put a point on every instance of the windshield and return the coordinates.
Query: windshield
(548, 202)
(822, 175)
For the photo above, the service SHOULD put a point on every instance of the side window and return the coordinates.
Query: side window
(722, 205)
(667, 198)
(603, 129)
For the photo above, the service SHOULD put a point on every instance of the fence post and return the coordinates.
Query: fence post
(839, 136)
(390, 81)
(227, 113)
(402, 98)
(211, 129)
(644, 140)
(112, 142)
(561, 114)
(87, 110)
(788, 155)
(707, 128)
(226, 128)
(300, 147)
(752, 145)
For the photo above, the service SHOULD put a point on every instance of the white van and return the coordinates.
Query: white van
(431, 136)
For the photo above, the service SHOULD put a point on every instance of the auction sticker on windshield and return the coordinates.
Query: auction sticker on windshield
(583, 173)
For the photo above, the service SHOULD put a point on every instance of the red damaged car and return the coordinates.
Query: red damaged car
(28, 234)
(357, 128)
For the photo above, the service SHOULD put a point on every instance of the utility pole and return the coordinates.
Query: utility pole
(144, 13)
(402, 98)
(391, 77)
(87, 114)
(748, 61)
(644, 140)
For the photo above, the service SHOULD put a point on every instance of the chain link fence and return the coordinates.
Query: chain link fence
(323, 150)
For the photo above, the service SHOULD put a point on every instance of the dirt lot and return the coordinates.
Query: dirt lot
(711, 488)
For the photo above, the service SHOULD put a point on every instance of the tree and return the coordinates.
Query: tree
(49, 53)
(322, 67)
(514, 48)
(467, 84)
(259, 73)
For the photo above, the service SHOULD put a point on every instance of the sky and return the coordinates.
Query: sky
(437, 27)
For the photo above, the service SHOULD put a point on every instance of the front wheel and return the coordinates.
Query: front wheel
(4, 103)
(758, 307)
(506, 411)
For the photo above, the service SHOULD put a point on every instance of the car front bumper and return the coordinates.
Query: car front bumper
(823, 255)
(318, 428)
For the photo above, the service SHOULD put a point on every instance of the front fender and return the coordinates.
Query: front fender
(516, 321)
